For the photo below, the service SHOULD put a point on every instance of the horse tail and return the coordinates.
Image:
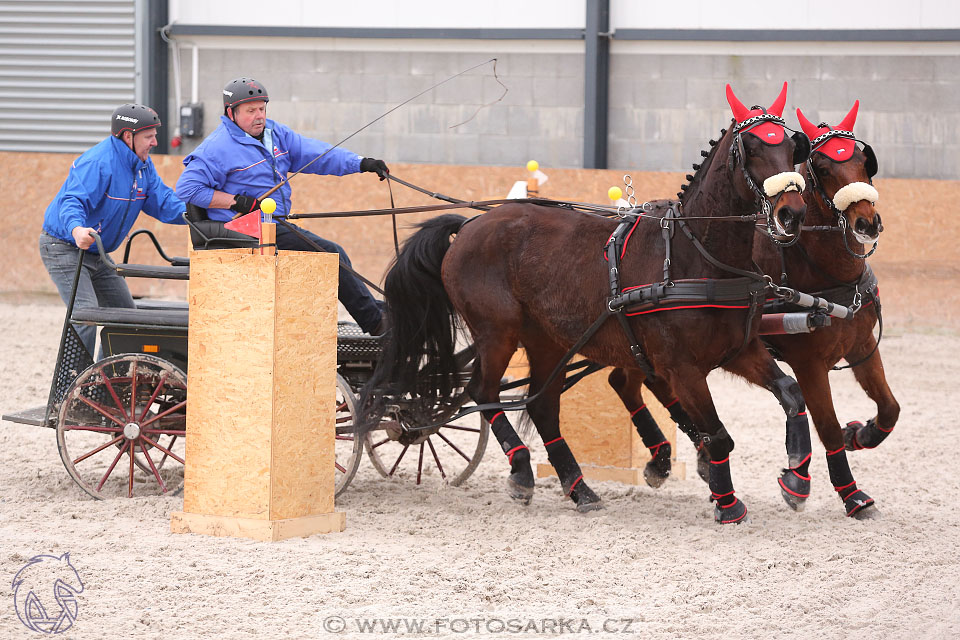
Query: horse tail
(418, 357)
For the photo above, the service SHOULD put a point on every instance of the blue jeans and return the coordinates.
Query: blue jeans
(352, 292)
(99, 285)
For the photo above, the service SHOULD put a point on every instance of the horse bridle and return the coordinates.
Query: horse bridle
(871, 167)
(762, 199)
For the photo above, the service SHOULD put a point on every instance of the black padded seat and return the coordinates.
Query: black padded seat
(145, 303)
(211, 234)
(164, 272)
(123, 317)
(353, 344)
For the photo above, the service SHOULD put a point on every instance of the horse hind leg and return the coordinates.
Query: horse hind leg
(671, 403)
(869, 374)
(484, 388)
(628, 385)
(545, 413)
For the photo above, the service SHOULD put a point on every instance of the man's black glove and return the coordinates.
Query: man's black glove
(245, 204)
(378, 166)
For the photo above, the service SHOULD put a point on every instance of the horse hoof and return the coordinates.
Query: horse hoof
(794, 489)
(703, 464)
(654, 477)
(522, 493)
(850, 435)
(657, 469)
(858, 503)
(585, 499)
(734, 514)
(869, 512)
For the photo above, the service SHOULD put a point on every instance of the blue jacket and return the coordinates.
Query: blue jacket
(231, 161)
(107, 188)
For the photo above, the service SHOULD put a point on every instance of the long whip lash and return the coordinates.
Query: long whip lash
(391, 110)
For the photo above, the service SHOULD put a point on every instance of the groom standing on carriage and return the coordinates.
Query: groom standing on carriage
(246, 155)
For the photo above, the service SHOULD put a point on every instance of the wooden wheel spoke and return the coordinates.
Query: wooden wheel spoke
(153, 397)
(435, 458)
(341, 406)
(180, 404)
(101, 409)
(156, 474)
(112, 465)
(339, 467)
(399, 458)
(113, 394)
(130, 480)
(133, 395)
(382, 442)
(349, 438)
(84, 427)
(420, 464)
(344, 419)
(170, 445)
(164, 449)
(453, 446)
(165, 432)
(98, 449)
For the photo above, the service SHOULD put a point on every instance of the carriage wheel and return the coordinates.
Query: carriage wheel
(450, 453)
(122, 426)
(348, 447)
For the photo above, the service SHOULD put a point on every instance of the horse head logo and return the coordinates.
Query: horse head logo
(45, 594)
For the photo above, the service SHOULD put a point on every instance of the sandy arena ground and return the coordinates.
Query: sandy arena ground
(465, 561)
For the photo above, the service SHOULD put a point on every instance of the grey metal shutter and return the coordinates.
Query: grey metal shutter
(64, 67)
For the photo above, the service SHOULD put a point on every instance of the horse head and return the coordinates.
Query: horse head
(841, 175)
(762, 159)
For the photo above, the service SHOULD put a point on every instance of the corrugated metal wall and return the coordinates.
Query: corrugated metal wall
(64, 67)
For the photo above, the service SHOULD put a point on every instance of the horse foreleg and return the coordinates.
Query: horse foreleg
(484, 387)
(693, 392)
(869, 374)
(545, 413)
(816, 388)
(628, 384)
(757, 366)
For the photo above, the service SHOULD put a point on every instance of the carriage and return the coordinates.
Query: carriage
(121, 420)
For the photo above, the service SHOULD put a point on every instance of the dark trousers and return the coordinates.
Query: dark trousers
(353, 293)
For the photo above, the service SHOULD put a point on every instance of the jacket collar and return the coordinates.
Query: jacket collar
(239, 134)
(125, 154)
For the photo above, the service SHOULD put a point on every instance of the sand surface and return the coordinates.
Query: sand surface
(466, 561)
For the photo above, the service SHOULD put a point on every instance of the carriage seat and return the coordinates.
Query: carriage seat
(211, 234)
(354, 345)
(132, 318)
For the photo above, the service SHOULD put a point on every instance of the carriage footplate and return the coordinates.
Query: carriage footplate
(353, 344)
(32, 416)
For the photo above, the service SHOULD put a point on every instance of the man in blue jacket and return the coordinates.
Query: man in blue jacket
(246, 155)
(107, 188)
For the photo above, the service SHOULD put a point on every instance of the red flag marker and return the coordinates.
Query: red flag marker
(248, 224)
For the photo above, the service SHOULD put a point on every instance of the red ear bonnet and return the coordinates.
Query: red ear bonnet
(837, 148)
(769, 132)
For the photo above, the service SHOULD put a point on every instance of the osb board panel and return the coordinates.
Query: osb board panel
(302, 481)
(916, 262)
(263, 530)
(230, 372)
(597, 426)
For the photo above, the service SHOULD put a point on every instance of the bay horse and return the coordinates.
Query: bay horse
(530, 274)
(830, 260)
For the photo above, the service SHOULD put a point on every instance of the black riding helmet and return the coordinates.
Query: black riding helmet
(242, 90)
(133, 118)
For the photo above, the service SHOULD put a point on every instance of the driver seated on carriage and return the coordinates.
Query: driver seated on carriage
(107, 188)
(246, 155)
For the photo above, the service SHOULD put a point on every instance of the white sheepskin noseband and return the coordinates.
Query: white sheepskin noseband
(854, 192)
(786, 181)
